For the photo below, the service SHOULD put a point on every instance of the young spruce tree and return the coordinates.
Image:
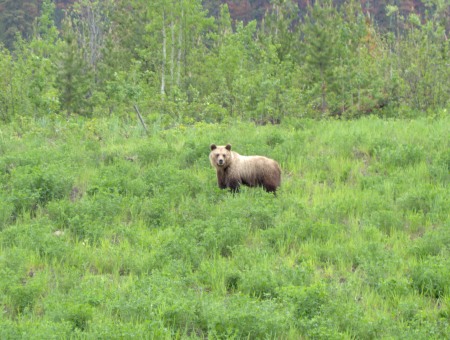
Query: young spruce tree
(73, 75)
(320, 51)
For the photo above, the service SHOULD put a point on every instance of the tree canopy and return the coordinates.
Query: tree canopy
(180, 64)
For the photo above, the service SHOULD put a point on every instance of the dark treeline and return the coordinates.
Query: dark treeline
(180, 65)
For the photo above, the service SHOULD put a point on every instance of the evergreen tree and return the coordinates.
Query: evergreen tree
(320, 50)
(279, 26)
(424, 59)
(361, 70)
(8, 93)
(278, 35)
(74, 75)
(37, 61)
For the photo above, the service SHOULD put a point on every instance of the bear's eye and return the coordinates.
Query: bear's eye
(224, 155)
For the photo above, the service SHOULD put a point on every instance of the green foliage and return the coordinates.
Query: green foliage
(320, 50)
(431, 277)
(10, 83)
(432, 243)
(422, 84)
(17, 20)
(74, 74)
(181, 66)
(109, 232)
(31, 187)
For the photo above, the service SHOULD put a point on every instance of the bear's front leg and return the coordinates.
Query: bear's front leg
(221, 182)
(234, 185)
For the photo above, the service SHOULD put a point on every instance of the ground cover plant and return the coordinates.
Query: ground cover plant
(107, 232)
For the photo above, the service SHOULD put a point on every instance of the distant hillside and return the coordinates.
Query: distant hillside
(19, 17)
(247, 10)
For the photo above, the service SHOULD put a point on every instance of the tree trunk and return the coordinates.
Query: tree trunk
(163, 63)
(172, 53)
(180, 41)
(324, 91)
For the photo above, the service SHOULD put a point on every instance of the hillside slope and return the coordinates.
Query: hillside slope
(108, 233)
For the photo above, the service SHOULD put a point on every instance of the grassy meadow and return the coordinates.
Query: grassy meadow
(107, 232)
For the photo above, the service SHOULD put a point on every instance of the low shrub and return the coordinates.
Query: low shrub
(33, 186)
(261, 283)
(431, 277)
(433, 243)
(239, 316)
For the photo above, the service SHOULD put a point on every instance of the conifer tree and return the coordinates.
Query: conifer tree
(40, 58)
(8, 95)
(320, 49)
(74, 76)
(424, 63)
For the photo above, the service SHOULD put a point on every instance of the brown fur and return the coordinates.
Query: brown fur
(234, 169)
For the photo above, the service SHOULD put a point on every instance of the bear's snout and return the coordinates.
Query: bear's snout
(221, 161)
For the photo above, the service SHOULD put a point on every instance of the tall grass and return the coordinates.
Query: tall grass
(108, 233)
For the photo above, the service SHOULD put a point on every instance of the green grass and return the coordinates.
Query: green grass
(108, 233)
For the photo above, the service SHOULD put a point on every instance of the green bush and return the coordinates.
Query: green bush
(24, 294)
(79, 315)
(33, 186)
(417, 201)
(193, 152)
(431, 277)
(88, 218)
(402, 155)
(308, 302)
(241, 317)
(386, 221)
(122, 178)
(39, 237)
(223, 237)
(32, 329)
(6, 212)
(155, 211)
(433, 243)
(260, 283)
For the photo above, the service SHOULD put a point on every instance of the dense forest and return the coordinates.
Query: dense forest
(178, 63)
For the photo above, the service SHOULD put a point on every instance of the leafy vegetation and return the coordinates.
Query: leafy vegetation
(106, 232)
(179, 65)
(112, 226)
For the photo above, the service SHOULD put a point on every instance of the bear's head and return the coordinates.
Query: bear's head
(220, 156)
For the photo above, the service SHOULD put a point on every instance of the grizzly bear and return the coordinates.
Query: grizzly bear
(234, 169)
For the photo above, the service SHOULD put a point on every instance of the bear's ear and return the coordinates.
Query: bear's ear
(213, 147)
(228, 147)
